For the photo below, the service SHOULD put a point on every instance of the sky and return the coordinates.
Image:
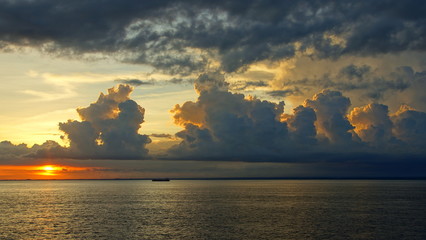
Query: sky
(191, 89)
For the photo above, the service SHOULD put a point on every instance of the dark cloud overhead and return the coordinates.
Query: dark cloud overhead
(182, 37)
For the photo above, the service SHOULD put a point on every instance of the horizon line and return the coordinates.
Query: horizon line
(228, 178)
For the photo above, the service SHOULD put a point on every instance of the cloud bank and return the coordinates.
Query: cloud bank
(224, 125)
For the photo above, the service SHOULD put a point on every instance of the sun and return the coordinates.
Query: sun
(45, 171)
(49, 170)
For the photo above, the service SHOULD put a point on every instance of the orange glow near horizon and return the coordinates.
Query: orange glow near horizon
(50, 171)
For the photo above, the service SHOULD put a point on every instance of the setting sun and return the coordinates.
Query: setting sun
(43, 172)
(49, 170)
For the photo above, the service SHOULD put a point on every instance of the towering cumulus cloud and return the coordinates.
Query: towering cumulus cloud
(221, 123)
(372, 123)
(410, 126)
(302, 124)
(108, 128)
(331, 108)
(225, 125)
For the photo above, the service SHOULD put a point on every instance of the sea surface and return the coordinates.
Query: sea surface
(213, 209)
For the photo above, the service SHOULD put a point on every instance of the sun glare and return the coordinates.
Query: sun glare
(49, 170)
(45, 171)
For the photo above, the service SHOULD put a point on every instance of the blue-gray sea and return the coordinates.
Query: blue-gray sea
(219, 209)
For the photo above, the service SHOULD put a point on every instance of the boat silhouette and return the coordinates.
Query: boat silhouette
(161, 179)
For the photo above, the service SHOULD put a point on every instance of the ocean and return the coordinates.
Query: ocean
(213, 209)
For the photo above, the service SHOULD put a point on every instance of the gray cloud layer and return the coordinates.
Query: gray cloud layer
(167, 34)
(372, 85)
(138, 82)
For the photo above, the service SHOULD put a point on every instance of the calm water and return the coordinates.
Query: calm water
(213, 209)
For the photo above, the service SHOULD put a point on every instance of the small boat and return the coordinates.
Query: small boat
(161, 179)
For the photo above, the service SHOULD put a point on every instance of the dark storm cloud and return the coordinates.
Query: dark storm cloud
(225, 125)
(221, 125)
(302, 124)
(409, 126)
(170, 34)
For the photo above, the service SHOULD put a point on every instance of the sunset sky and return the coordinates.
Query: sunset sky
(143, 89)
